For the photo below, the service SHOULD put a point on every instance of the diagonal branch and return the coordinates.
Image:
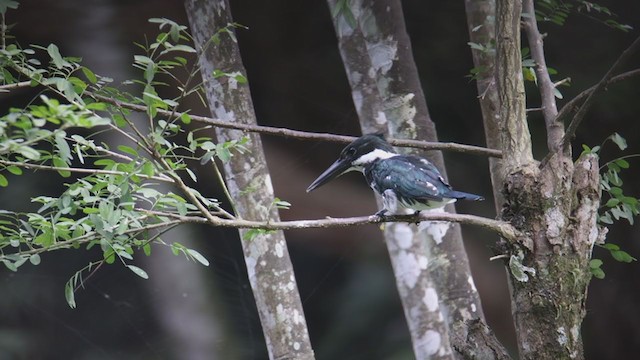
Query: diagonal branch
(555, 129)
(572, 105)
(80, 170)
(276, 131)
(577, 119)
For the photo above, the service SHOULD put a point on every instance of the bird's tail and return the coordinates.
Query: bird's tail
(465, 196)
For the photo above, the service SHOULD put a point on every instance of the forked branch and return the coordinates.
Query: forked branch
(582, 111)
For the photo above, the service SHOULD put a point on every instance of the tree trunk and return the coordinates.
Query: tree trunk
(481, 23)
(555, 206)
(407, 245)
(267, 258)
(388, 98)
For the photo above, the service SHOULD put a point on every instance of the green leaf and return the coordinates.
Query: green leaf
(98, 106)
(186, 119)
(127, 149)
(595, 263)
(615, 191)
(612, 202)
(69, 294)
(14, 170)
(3, 181)
(58, 162)
(611, 246)
(136, 270)
(598, 273)
(7, 4)
(147, 249)
(28, 152)
(622, 163)
(34, 259)
(57, 59)
(197, 256)
(89, 75)
(619, 140)
(622, 256)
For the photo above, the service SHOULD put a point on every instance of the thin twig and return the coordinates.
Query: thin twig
(573, 103)
(579, 116)
(81, 170)
(426, 145)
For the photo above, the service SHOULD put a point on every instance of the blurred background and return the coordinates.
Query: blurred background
(187, 311)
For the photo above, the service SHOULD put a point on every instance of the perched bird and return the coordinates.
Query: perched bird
(403, 181)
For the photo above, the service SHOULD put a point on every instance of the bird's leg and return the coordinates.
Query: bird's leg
(381, 213)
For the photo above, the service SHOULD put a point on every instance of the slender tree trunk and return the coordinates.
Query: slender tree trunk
(481, 15)
(267, 258)
(556, 206)
(407, 245)
(388, 98)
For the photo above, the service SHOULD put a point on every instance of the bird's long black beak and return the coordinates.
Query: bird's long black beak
(336, 169)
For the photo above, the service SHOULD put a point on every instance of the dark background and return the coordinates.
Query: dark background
(345, 279)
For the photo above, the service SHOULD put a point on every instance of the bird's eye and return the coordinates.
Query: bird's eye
(351, 151)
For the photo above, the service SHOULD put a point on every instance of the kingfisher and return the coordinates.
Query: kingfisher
(403, 181)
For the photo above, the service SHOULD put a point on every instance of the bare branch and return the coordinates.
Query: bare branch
(577, 119)
(555, 129)
(18, 85)
(275, 131)
(573, 104)
(503, 228)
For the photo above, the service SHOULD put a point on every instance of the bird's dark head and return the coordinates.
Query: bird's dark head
(362, 151)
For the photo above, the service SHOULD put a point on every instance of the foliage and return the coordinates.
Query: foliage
(557, 12)
(118, 199)
(616, 205)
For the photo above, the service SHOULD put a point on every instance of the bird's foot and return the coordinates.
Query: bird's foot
(381, 213)
(417, 214)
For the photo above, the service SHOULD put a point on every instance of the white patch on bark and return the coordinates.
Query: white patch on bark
(435, 229)
(430, 299)
(430, 343)
(224, 115)
(409, 268)
(474, 308)
(382, 54)
(279, 250)
(575, 333)
(472, 284)
(562, 336)
(356, 95)
(466, 315)
(403, 109)
(555, 224)
(381, 118)
(268, 183)
(403, 235)
(296, 346)
(251, 268)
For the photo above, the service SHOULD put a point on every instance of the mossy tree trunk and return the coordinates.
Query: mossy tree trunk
(555, 204)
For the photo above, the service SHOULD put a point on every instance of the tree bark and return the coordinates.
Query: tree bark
(389, 99)
(481, 24)
(407, 247)
(556, 206)
(268, 264)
